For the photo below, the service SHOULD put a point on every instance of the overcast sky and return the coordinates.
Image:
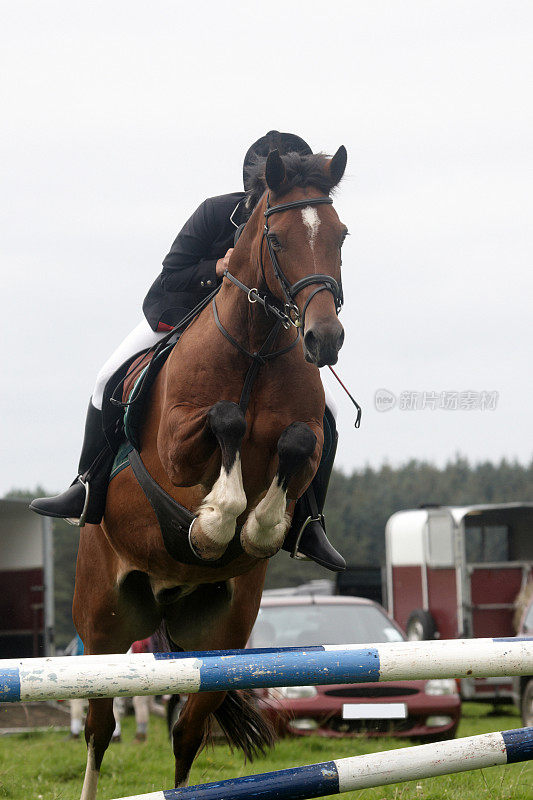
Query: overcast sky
(118, 118)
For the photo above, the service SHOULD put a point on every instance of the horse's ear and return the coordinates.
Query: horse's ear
(274, 170)
(337, 165)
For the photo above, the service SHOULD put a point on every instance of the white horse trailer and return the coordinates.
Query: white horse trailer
(458, 572)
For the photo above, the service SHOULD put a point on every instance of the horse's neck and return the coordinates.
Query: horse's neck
(247, 322)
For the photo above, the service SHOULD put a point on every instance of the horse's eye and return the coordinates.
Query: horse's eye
(274, 241)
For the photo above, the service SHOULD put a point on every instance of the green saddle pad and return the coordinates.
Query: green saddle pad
(121, 459)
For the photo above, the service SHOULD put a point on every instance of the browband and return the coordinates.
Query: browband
(311, 201)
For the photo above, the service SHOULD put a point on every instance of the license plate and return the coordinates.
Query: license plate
(374, 711)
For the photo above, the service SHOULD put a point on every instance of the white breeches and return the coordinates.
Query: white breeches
(77, 713)
(141, 338)
(330, 402)
(141, 706)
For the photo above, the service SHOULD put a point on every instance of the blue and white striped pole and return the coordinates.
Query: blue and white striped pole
(188, 673)
(363, 772)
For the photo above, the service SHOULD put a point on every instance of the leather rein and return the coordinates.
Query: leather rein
(289, 314)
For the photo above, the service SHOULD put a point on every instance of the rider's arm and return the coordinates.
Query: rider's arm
(188, 267)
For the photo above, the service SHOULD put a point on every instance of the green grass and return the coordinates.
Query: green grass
(48, 766)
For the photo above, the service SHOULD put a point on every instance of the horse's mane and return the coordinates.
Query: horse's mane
(300, 171)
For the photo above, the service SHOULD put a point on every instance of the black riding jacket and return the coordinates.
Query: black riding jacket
(189, 269)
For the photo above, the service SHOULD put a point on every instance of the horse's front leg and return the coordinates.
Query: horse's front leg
(266, 526)
(214, 526)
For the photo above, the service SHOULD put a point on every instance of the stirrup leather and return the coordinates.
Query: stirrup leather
(80, 523)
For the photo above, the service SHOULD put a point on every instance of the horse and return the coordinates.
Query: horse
(237, 466)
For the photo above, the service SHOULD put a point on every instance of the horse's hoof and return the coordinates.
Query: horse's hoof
(257, 551)
(202, 546)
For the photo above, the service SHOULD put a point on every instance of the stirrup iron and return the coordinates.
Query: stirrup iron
(80, 523)
(295, 553)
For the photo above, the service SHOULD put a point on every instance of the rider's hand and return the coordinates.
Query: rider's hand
(223, 263)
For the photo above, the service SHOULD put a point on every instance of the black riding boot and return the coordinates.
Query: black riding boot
(84, 500)
(306, 537)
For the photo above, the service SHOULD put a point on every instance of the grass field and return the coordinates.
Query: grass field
(49, 766)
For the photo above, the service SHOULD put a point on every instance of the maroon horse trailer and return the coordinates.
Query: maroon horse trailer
(456, 572)
(26, 576)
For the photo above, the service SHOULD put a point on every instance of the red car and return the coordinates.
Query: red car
(423, 709)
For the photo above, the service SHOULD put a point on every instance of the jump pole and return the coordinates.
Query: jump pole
(188, 673)
(363, 772)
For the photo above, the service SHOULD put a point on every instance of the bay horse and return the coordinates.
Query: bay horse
(227, 466)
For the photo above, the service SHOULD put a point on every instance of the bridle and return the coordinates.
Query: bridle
(290, 315)
(290, 291)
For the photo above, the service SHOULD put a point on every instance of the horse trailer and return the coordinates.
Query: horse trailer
(460, 572)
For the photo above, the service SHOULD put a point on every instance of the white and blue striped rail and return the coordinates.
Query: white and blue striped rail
(187, 673)
(363, 772)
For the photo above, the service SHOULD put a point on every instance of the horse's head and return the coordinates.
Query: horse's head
(301, 247)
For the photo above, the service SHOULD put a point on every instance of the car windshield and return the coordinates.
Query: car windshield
(293, 625)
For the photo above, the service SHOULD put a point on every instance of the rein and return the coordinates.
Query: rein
(290, 314)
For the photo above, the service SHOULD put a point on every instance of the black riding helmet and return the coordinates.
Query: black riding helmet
(273, 140)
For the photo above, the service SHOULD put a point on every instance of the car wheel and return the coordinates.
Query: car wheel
(420, 626)
(527, 704)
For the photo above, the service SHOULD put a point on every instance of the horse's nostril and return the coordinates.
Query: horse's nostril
(310, 341)
(340, 339)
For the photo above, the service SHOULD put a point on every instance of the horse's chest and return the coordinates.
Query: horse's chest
(264, 430)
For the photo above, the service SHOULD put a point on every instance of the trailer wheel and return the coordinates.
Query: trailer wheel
(420, 626)
(527, 704)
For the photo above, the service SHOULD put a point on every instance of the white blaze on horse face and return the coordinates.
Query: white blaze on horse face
(312, 223)
(214, 526)
(264, 530)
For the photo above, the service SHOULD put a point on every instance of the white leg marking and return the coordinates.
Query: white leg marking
(266, 526)
(214, 526)
(91, 775)
(312, 223)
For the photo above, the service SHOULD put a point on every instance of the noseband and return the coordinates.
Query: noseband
(290, 291)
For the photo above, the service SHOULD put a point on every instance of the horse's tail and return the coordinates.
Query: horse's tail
(162, 642)
(243, 724)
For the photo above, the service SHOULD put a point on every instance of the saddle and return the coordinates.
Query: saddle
(126, 395)
(122, 421)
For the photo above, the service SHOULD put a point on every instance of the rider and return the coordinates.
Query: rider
(193, 268)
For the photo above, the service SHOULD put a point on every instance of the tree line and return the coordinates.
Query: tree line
(357, 509)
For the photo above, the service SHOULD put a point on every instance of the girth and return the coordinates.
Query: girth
(175, 521)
